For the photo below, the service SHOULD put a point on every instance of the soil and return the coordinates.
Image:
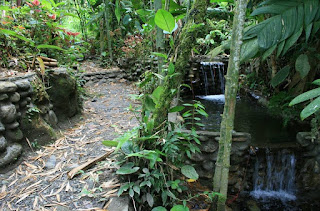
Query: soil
(40, 181)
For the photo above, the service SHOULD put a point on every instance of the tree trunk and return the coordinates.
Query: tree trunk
(221, 175)
(106, 16)
(187, 40)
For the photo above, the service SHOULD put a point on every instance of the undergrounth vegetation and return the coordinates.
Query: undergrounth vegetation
(271, 49)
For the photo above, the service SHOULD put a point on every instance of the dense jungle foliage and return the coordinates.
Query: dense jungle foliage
(279, 60)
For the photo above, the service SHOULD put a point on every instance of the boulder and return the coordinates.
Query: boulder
(14, 135)
(23, 84)
(2, 128)
(7, 112)
(10, 155)
(3, 97)
(6, 86)
(3, 143)
(64, 95)
(15, 97)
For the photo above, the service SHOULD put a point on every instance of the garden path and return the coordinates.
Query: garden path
(40, 181)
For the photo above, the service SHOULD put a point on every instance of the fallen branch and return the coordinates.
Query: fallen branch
(87, 165)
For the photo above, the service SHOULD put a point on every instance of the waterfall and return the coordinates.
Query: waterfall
(213, 68)
(277, 179)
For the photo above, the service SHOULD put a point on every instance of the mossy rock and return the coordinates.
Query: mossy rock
(64, 94)
(35, 128)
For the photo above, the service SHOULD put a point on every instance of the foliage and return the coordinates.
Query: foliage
(35, 29)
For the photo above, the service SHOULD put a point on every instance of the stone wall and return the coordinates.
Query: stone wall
(204, 162)
(27, 111)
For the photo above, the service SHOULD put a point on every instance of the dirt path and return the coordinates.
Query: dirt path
(40, 182)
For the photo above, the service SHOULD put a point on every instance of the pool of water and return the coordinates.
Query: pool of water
(264, 128)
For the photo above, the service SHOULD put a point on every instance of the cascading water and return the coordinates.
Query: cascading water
(277, 180)
(213, 68)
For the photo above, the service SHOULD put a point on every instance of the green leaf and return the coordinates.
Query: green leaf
(291, 41)
(316, 82)
(164, 20)
(50, 47)
(171, 68)
(150, 105)
(280, 76)
(156, 94)
(13, 33)
(110, 143)
(159, 209)
(117, 11)
(190, 172)
(249, 49)
(179, 208)
(123, 188)
(176, 109)
(308, 31)
(268, 52)
(305, 96)
(136, 189)
(160, 55)
(150, 199)
(131, 193)
(310, 109)
(127, 169)
(302, 65)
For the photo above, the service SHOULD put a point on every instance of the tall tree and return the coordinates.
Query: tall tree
(221, 175)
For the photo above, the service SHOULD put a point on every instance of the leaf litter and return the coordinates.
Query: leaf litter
(71, 183)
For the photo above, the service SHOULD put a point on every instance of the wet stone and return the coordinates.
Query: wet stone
(51, 162)
(209, 146)
(208, 165)
(7, 87)
(10, 155)
(3, 97)
(24, 94)
(3, 143)
(15, 97)
(2, 128)
(7, 113)
(52, 118)
(12, 126)
(28, 99)
(197, 157)
(23, 103)
(23, 84)
(14, 135)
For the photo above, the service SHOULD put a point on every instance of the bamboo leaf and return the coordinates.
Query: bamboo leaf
(310, 109)
(50, 47)
(305, 96)
(176, 109)
(110, 143)
(13, 33)
(42, 68)
(117, 11)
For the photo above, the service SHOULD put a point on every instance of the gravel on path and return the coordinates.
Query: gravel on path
(40, 181)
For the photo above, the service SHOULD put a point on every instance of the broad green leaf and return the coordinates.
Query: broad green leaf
(280, 76)
(50, 47)
(179, 208)
(189, 172)
(308, 31)
(127, 169)
(310, 109)
(268, 52)
(110, 143)
(273, 27)
(249, 49)
(150, 105)
(123, 188)
(145, 15)
(280, 47)
(136, 189)
(171, 68)
(176, 109)
(160, 55)
(310, 10)
(302, 65)
(13, 33)
(316, 82)
(291, 41)
(156, 94)
(159, 209)
(305, 96)
(164, 20)
(216, 51)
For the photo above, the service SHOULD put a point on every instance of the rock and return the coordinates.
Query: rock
(14, 135)
(6, 86)
(24, 94)
(304, 138)
(23, 84)
(43, 109)
(15, 97)
(119, 203)
(52, 118)
(252, 205)
(12, 126)
(210, 146)
(10, 155)
(197, 157)
(3, 97)
(208, 165)
(28, 99)
(64, 95)
(7, 112)
(51, 162)
(3, 143)
(2, 128)
(23, 103)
